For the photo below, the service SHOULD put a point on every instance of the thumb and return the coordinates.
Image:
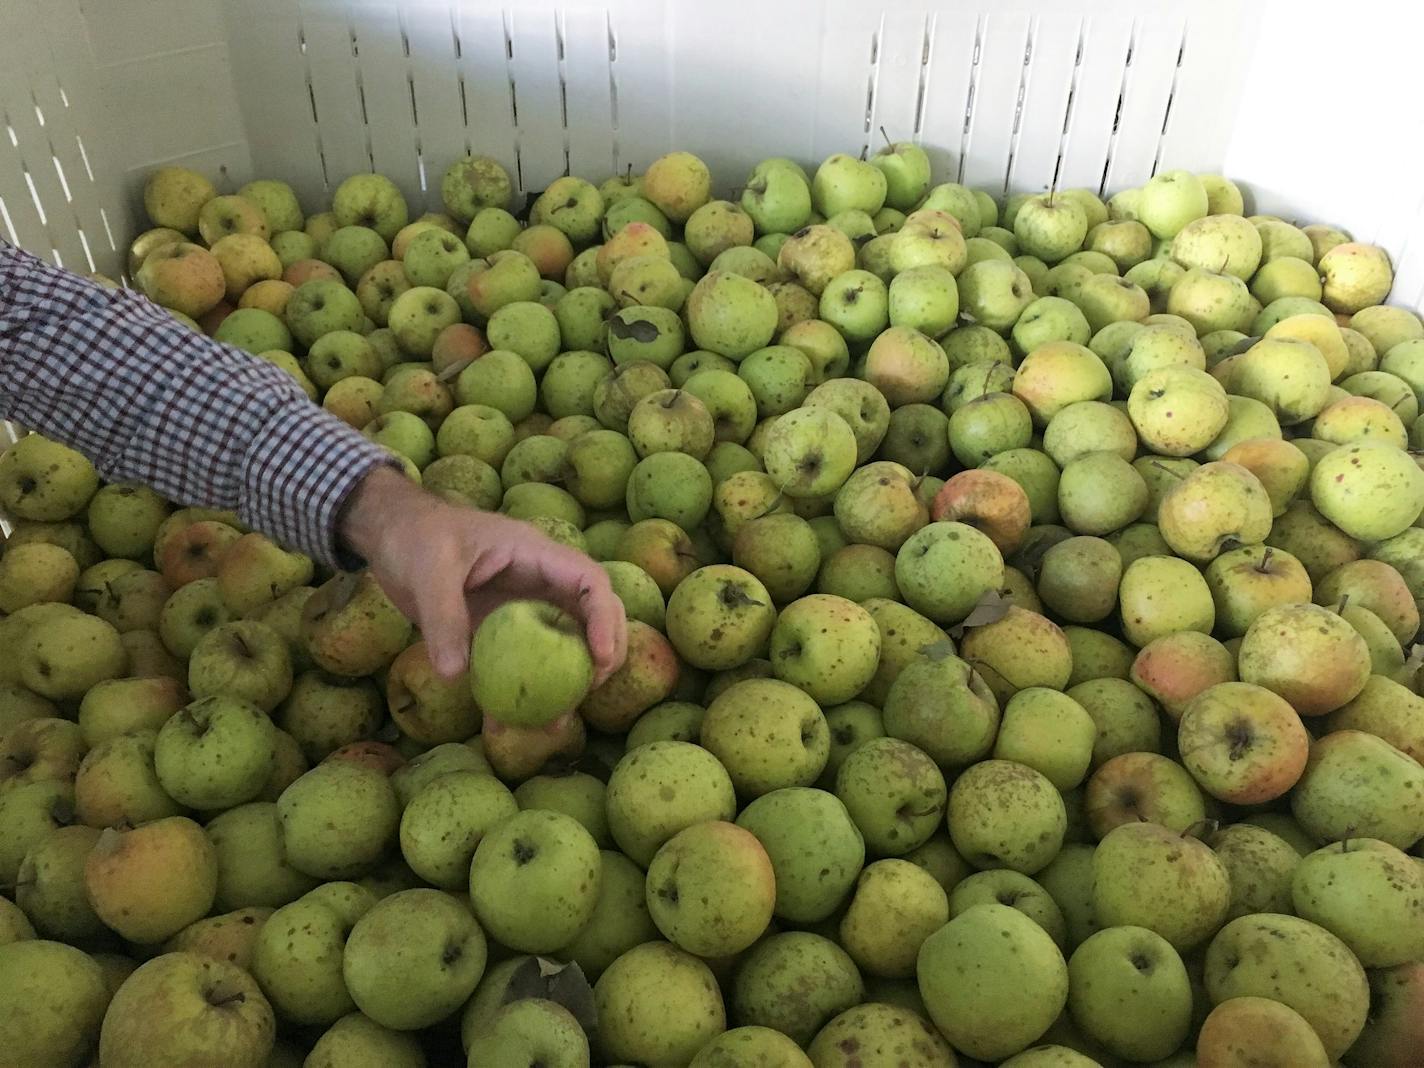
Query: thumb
(445, 625)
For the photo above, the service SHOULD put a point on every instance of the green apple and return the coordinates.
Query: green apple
(781, 551)
(1148, 876)
(338, 819)
(711, 888)
(1357, 785)
(149, 882)
(1371, 491)
(1128, 989)
(445, 821)
(731, 315)
(534, 880)
(816, 851)
(941, 705)
(297, 957)
(50, 886)
(1242, 743)
(531, 1030)
(413, 958)
(191, 1007)
(719, 617)
(992, 980)
(895, 907)
(795, 982)
(216, 753)
(813, 255)
(1049, 732)
(777, 196)
(357, 1041)
(1308, 655)
(1004, 814)
(1330, 886)
(895, 794)
(532, 633)
(657, 1005)
(767, 734)
(1294, 962)
(750, 1045)
(252, 865)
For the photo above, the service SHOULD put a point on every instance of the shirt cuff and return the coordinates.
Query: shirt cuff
(303, 465)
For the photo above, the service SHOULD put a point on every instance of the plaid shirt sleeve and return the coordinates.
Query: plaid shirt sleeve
(147, 400)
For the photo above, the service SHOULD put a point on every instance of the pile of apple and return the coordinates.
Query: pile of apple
(1021, 611)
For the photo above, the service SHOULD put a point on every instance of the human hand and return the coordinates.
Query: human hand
(447, 567)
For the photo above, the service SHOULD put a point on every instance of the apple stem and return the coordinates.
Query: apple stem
(1163, 467)
(1344, 600)
(1206, 826)
(1265, 565)
(885, 135)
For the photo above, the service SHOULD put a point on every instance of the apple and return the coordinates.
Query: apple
(1048, 732)
(941, 705)
(252, 867)
(750, 1045)
(351, 627)
(730, 315)
(216, 753)
(50, 887)
(1128, 989)
(1021, 649)
(944, 568)
(224, 1017)
(813, 256)
(795, 982)
(545, 636)
(782, 552)
(413, 958)
(895, 794)
(117, 784)
(809, 452)
(324, 712)
(1142, 786)
(1162, 595)
(1149, 876)
(898, 890)
(719, 616)
(683, 875)
(1296, 963)
(815, 850)
(1242, 743)
(149, 882)
(1358, 785)
(992, 980)
(173, 196)
(767, 735)
(337, 819)
(320, 307)
(657, 1004)
(641, 820)
(1005, 814)
(1308, 655)
(297, 958)
(1240, 1027)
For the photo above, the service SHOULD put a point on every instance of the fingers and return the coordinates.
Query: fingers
(583, 587)
(444, 621)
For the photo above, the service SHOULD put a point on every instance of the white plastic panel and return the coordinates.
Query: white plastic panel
(1308, 109)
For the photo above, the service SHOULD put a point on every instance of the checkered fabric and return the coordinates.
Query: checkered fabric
(112, 375)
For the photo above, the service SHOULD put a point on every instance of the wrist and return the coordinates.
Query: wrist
(380, 500)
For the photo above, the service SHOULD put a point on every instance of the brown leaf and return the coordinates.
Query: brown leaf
(564, 984)
(992, 607)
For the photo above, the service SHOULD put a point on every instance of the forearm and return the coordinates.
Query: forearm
(147, 400)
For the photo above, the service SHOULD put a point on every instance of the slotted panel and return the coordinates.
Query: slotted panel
(1147, 91)
(851, 42)
(484, 85)
(538, 100)
(588, 93)
(54, 228)
(434, 88)
(1003, 43)
(904, 41)
(1208, 85)
(948, 80)
(641, 63)
(382, 69)
(1048, 84)
(335, 89)
(270, 70)
(1092, 114)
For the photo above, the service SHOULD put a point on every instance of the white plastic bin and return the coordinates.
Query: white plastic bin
(1310, 105)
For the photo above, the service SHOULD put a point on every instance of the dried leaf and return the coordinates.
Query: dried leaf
(564, 984)
(453, 371)
(937, 651)
(992, 607)
(639, 330)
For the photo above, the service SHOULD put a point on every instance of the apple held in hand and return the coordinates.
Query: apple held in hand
(529, 664)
